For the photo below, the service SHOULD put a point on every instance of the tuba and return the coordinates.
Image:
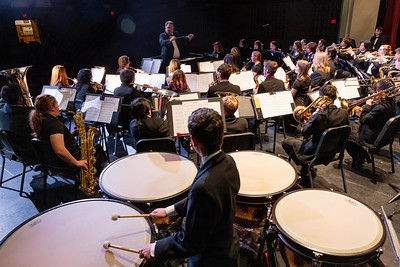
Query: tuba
(18, 75)
(86, 144)
(302, 113)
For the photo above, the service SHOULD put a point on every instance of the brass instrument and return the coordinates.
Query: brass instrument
(381, 74)
(223, 94)
(375, 59)
(344, 50)
(372, 80)
(387, 93)
(302, 113)
(390, 75)
(86, 144)
(18, 75)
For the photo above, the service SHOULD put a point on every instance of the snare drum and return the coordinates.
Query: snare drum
(328, 227)
(263, 178)
(73, 235)
(157, 178)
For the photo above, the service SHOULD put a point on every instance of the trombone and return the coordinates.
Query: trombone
(372, 80)
(390, 75)
(302, 113)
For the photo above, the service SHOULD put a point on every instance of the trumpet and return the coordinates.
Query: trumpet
(344, 50)
(302, 113)
(387, 93)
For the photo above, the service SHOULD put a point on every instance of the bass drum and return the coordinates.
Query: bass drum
(327, 227)
(73, 235)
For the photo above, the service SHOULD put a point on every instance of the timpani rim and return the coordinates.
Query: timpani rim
(75, 202)
(288, 238)
(267, 197)
(111, 195)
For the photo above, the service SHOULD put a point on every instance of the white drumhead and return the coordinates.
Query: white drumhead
(263, 174)
(147, 177)
(73, 235)
(328, 222)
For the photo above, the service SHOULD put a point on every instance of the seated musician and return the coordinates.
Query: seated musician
(233, 125)
(127, 90)
(237, 59)
(208, 236)
(382, 60)
(304, 43)
(178, 83)
(85, 86)
(223, 85)
(378, 39)
(328, 116)
(270, 84)
(174, 65)
(14, 118)
(332, 61)
(229, 60)
(323, 42)
(143, 124)
(345, 44)
(59, 77)
(311, 49)
(362, 55)
(374, 114)
(124, 63)
(321, 73)
(254, 64)
(301, 85)
(218, 52)
(245, 51)
(297, 53)
(276, 53)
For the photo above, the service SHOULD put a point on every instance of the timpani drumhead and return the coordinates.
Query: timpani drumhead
(148, 177)
(73, 235)
(328, 222)
(263, 174)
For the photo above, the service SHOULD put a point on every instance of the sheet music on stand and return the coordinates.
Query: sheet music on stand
(154, 80)
(146, 65)
(98, 74)
(112, 81)
(288, 62)
(65, 96)
(209, 66)
(187, 96)
(269, 105)
(199, 82)
(186, 68)
(155, 67)
(98, 108)
(347, 88)
(244, 79)
(178, 113)
(246, 108)
(315, 95)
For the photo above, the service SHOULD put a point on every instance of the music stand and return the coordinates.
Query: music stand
(199, 82)
(112, 81)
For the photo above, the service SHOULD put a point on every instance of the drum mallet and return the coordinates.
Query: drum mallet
(116, 216)
(107, 245)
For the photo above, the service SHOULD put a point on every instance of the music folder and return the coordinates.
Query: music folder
(347, 88)
(101, 108)
(178, 113)
(65, 96)
(199, 82)
(269, 105)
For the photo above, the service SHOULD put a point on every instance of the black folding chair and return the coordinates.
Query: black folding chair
(237, 142)
(162, 144)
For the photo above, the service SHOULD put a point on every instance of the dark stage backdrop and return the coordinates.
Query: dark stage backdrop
(84, 33)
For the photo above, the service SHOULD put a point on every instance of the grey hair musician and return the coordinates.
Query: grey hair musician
(172, 44)
(323, 118)
(208, 237)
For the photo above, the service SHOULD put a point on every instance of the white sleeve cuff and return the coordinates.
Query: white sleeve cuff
(153, 249)
(170, 210)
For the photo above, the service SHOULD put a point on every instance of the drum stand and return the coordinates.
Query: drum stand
(266, 237)
(397, 189)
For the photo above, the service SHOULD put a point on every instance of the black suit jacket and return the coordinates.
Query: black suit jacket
(152, 128)
(128, 92)
(208, 236)
(319, 78)
(223, 87)
(236, 125)
(271, 84)
(381, 40)
(167, 49)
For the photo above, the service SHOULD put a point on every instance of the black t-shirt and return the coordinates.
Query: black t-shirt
(50, 126)
(302, 89)
(258, 69)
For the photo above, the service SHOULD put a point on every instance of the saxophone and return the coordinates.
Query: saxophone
(86, 144)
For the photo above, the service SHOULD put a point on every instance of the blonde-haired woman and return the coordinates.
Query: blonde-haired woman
(321, 72)
(59, 76)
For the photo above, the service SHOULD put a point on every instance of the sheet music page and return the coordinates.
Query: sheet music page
(67, 94)
(112, 81)
(217, 63)
(155, 68)
(215, 105)
(189, 96)
(244, 79)
(186, 68)
(347, 88)
(109, 105)
(57, 95)
(92, 106)
(147, 64)
(98, 74)
(203, 80)
(142, 78)
(49, 91)
(289, 63)
(206, 66)
(276, 104)
(179, 125)
(191, 79)
(157, 80)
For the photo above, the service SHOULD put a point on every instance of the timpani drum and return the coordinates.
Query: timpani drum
(73, 235)
(263, 178)
(155, 178)
(327, 227)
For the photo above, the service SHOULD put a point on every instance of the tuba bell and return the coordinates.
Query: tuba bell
(18, 75)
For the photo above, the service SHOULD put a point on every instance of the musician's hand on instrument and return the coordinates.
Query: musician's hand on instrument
(190, 36)
(172, 38)
(159, 213)
(82, 164)
(333, 45)
(369, 102)
(350, 50)
(75, 132)
(357, 109)
(145, 252)
(381, 59)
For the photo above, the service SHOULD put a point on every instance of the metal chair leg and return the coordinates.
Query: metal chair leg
(22, 180)
(391, 156)
(310, 176)
(2, 170)
(373, 168)
(344, 180)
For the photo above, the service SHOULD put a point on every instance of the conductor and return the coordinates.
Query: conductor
(172, 44)
(208, 237)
